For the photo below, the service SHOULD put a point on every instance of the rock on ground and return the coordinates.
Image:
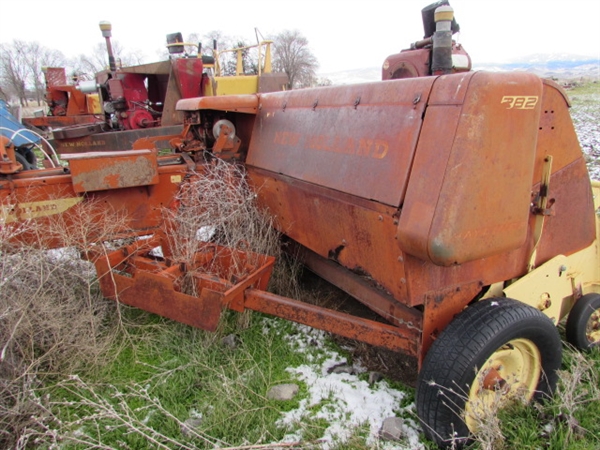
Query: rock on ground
(283, 392)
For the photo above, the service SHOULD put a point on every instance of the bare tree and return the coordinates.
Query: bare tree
(40, 57)
(21, 66)
(88, 65)
(292, 56)
(193, 38)
(222, 42)
(14, 69)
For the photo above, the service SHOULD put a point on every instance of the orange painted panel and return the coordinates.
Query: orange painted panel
(357, 139)
(480, 206)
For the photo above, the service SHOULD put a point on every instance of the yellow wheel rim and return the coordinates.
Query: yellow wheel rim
(592, 329)
(511, 373)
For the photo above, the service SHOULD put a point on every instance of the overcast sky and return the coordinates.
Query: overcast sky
(342, 35)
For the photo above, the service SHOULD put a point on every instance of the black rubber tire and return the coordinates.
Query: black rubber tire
(577, 321)
(451, 364)
(27, 160)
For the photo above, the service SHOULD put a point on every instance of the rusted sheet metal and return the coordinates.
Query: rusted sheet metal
(59, 121)
(440, 308)
(99, 171)
(155, 292)
(48, 195)
(367, 293)
(357, 139)
(272, 82)
(186, 72)
(115, 140)
(570, 191)
(342, 324)
(479, 204)
(556, 134)
(356, 233)
(235, 103)
(221, 276)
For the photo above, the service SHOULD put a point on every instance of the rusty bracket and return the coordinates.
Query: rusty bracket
(538, 211)
(8, 160)
(540, 208)
(131, 275)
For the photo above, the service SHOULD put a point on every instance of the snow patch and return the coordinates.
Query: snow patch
(342, 400)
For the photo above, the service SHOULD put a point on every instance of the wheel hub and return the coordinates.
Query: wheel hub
(511, 373)
(592, 330)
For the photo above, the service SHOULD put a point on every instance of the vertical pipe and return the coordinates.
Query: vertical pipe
(106, 28)
(441, 54)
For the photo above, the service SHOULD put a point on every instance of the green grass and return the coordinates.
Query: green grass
(584, 90)
(556, 424)
(165, 373)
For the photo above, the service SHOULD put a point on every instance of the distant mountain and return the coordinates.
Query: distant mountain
(560, 66)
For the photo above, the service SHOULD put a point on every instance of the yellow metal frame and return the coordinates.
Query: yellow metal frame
(264, 62)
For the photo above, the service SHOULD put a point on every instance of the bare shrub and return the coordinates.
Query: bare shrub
(218, 206)
(53, 319)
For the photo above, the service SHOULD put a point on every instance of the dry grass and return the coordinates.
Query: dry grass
(576, 388)
(53, 320)
(55, 323)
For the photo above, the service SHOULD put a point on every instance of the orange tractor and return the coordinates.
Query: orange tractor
(455, 204)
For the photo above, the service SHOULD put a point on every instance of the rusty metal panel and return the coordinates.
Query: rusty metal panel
(571, 225)
(131, 276)
(450, 90)
(98, 171)
(357, 139)
(363, 290)
(58, 121)
(114, 140)
(356, 233)
(435, 145)
(556, 135)
(55, 76)
(48, 196)
(481, 205)
(441, 307)
(272, 82)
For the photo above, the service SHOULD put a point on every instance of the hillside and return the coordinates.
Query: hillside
(563, 67)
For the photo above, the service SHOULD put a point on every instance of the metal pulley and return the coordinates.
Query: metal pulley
(219, 124)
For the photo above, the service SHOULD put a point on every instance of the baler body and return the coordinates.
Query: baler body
(424, 188)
